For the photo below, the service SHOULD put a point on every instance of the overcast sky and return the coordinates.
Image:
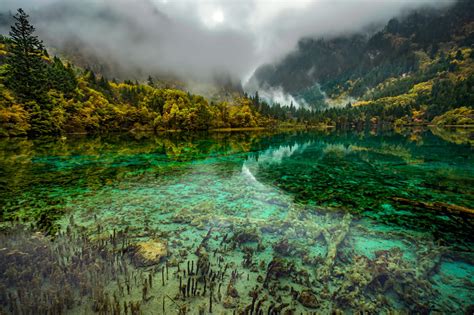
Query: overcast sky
(201, 38)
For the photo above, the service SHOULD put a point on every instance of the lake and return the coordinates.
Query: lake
(238, 223)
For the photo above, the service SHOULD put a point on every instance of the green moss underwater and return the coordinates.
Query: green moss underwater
(237, 223)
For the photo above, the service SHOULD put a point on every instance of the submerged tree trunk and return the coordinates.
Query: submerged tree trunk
(438, 207)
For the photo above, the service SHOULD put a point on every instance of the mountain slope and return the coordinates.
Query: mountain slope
(421, 46)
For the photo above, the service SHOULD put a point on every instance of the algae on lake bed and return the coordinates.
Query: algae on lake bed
(246, 222)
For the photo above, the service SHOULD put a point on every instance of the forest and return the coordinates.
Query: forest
(40, 95)
(418, 67)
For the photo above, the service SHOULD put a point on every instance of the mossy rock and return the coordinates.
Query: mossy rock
(308, 299)
(149, 253)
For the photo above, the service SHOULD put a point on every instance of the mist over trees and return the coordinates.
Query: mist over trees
(416, 68)
(411, 80)
(44, 95)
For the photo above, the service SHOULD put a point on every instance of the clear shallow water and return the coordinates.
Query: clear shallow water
(296, 221)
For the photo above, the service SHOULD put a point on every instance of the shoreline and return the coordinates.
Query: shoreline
(437, 126)
(280, 128)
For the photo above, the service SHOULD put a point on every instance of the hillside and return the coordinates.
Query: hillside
(40, 94)
(419, 65)
(417, 70)
(131, 50)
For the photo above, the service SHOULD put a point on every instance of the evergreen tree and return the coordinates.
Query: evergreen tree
(90, 76)
(26, 70)
(103, 83)
(62, 78)
(151, 82)
(257, 99)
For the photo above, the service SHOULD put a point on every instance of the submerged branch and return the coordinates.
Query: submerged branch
(438, 207)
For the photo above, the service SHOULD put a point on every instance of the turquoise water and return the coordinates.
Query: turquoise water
(290, 223)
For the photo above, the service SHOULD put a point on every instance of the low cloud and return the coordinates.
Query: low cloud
(278, 96)
(199, 40)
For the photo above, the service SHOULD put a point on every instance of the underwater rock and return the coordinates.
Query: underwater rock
(246, 236)
(354, 279)
(308, 299)
(230, 302)
(283, 247)
(149, 253)
(232, 291)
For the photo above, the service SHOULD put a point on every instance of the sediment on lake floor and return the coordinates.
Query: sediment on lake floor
(305, 263)
(294, 225)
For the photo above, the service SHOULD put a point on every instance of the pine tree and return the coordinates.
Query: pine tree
(62, 78)
(103, 83)
(26, 70)
(90, 76)
(151, 82)
(257, 99)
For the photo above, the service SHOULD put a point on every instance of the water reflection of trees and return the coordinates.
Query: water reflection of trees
(365, 173)
(38, 176)
(455, 135)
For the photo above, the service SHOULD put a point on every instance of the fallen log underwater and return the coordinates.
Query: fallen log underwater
(438, 207)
